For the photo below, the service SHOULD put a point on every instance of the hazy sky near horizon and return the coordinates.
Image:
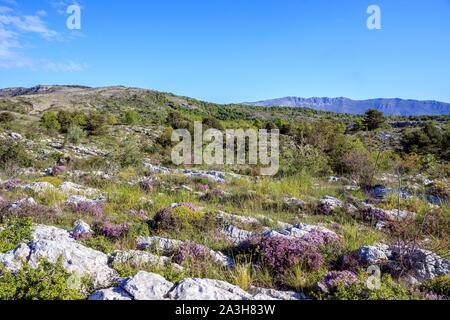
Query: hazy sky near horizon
(232, 50)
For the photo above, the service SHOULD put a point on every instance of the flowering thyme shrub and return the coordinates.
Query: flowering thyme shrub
(349, 289)
(325, 209)
(213, 195)
(439, 285)
(112, 230)
(25, 210)
(87, 207)
(139, 212)
(12, 184)
(194, 255)
(334, 278)
(146, 185)
(181, 217)
(58, 170)
(318, 238)
(188, 205)
(373, 214)
(281, 254)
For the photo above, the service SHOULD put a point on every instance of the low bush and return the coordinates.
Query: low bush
(281, 254)
(87, 207)
(194, 256)
(182, 217)
(359, 290)
(16, 231)
(439, 285)
(46, 282)
(112, 230)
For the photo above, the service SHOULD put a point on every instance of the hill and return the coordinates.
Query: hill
(393, 107)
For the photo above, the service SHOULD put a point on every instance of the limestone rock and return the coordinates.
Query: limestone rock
(207, 289)
(147, 286)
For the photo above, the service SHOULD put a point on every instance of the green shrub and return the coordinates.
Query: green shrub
(439, 285)
(50, 122)
(389, 290)
(97, 124)
(16, 231)
(129, 154)
(130, 117)
(14, 154)
(100, 243)
(6, 117)
(47, 282)
(427, 140)
(188, 223)
(75, 134)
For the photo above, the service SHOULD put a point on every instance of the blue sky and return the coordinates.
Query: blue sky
(232, 50)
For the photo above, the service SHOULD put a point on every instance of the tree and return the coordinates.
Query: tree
(50, 121)
(427, 140)
(373, 119)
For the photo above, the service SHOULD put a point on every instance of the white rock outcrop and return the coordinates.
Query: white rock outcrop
(52, 244)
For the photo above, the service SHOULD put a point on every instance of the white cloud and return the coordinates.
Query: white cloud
(42, 13)
(69, 66)
(13, 26)
(10, 2)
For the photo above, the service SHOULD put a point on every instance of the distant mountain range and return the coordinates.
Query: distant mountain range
(392, 107)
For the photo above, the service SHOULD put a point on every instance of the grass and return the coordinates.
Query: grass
(246, 196)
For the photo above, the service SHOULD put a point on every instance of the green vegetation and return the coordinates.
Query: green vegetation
(105, 140)
(16, 231)
(47, 282)
(373, 119)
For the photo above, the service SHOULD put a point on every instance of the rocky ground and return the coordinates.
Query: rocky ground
(152, 244)
(97, 211)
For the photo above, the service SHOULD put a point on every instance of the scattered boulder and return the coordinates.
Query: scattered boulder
(76, 200)
(420, 264)
(110, 294)
(272, 294)
(410, 261)
(150, 286)
(158, 244)
(226, 217)
(294, 203)
(81, 229)
(207, 289)
(147, 286)
(22, 202)
(235, 234)
(138, 258)
(374, 254)
(328, 204)
(73, 188)
(52, 243)
(12, 260)
(39, 187)
(215, 176)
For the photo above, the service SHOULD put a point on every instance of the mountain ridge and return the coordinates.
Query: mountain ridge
(342, 105)
(389, 106)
